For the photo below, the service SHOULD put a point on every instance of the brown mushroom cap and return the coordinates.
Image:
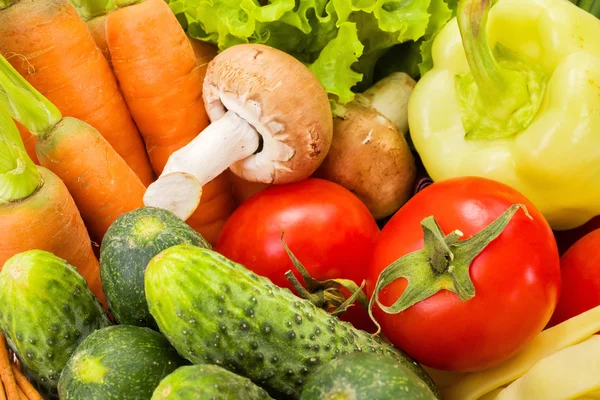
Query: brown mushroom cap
(282, 99)
(370, 158)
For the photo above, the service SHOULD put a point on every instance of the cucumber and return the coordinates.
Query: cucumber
(46, 310)
(118, 362)
(365, 376)
(129, 244)
(215, 311)
(207, 382)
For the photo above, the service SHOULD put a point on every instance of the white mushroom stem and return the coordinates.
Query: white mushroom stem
(390, 98)
(179, 187)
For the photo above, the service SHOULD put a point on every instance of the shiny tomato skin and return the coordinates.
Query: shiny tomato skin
(580, 279)
(327, 228)
(516, 278)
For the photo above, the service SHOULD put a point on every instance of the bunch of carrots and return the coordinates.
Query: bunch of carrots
(13, 384)
(99, 98)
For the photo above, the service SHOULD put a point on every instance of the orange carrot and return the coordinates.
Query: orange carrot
(101, 183)
(161, 73)
(2, 392)
(50, 45)
(159, 78)
(97, 28)
(37, 211)
(93, 12)
(26, 387)
(6, 372)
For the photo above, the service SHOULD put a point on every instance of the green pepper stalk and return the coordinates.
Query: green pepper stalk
(502, 93)
(19, 177)
(502, 90)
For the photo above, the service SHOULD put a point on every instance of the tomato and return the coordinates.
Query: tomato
(580, 283)
(566, 239)
(329, 230)
(516, 277)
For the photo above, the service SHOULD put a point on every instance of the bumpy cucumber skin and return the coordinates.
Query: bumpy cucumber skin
(118, 362)
(365, 376)
(129, 244)
(215, 311)
(207, 382)
(46, 310)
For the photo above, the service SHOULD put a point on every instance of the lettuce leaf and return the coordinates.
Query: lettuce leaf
(340, 40)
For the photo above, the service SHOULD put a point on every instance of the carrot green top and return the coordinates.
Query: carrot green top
(24, 103)
(6, 3)
(90, 9)
(19, 177)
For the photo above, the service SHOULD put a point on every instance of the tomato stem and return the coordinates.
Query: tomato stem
(442, 264)
(325, 294)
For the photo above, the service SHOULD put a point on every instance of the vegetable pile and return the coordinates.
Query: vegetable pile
(300, 200)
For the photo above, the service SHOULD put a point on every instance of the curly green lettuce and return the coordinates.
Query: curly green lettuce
(339, 40)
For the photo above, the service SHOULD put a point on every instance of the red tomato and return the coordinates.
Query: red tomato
(580, 283)
(566, 239)
(327, 228)
(516, 278)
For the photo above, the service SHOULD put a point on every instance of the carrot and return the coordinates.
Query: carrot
(2, 392)
(49, 44)
(6, 372)
(101, 183)
(38, 212)
(26, 387)
(93, 12)
(161, 73)
(157, 71)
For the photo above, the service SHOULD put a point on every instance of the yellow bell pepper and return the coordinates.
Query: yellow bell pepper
(514, 95)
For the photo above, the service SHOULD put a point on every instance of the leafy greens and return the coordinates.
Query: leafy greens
(341, 41)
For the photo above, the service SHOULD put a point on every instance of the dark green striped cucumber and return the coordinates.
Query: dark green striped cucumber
(365, 376)
(129, 244)
(215, 311)
(120, 362)
(207, 382)
(46, 310)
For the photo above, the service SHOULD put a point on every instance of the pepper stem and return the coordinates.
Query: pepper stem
(24, 103)
(90, 9)
(503, 91)
(19, 177)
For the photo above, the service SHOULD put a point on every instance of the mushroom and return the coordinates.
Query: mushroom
(271, 122)
(369, 155)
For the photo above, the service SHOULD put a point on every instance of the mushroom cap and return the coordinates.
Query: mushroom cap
(371, 158)
(284, 102)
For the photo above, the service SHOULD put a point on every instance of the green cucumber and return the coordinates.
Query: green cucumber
(118, 362)
(215, 311)
(46, 310)
(365, 376)
(129, 244)
(207, 382)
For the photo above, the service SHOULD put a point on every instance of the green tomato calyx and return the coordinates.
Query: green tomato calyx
(442, 264)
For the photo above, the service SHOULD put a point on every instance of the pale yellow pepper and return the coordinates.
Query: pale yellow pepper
(527, 115)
